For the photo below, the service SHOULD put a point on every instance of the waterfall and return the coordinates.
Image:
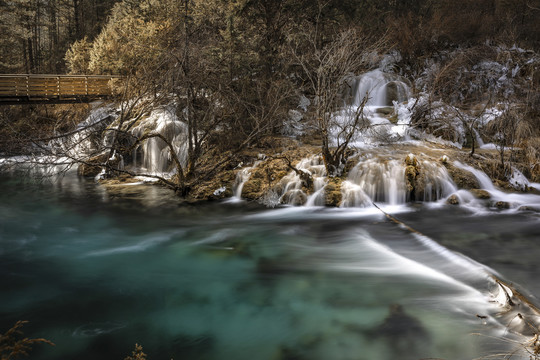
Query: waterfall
(484, 180)
(153, 155)
(381, 88)
(385, 93)
(242, 176)
(84, 142)
(501, 198)
(437, 182)
(380, 181)
(317, 198)
(385, 181)
(292, 191)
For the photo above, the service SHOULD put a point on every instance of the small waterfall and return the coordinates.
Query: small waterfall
(317, 198)
(153, 155)
(381, 88)
(379, 181)
(242, 176)
(384, 92)
(500, 198)
(484, 180)
(84, 141)
(292, 192)
(385, 181)
(437, 182)
(353, 195)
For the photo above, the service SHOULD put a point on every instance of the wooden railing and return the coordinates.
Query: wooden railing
(30, 88)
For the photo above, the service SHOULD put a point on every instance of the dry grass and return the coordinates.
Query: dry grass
(13, 344)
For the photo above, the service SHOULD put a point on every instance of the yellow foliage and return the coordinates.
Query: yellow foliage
(78, 56)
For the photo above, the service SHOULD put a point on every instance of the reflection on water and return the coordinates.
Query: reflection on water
(97, 270)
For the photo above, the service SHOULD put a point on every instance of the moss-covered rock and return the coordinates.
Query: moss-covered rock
(332, 192)
(481, 194)
(268, 175)
(453, 200)
(502, 205)
(294, 197)
(463, 178)
(412, 173)
(91, 169)
(215, 188)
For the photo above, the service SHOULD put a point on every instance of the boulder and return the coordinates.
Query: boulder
(502, 205)
(294, 197)
(411, 176)
(333, 196)
(463, 178)
(529, 208)
(411, 160)
(444, 159)
(453, 200)
(481, 194)
(90, 170)
(411, 172)
(387, 110)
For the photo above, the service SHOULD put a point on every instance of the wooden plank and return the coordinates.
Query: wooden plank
(69, 87)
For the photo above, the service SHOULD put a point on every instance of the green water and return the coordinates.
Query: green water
(97, 271)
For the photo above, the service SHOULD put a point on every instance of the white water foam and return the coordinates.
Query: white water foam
(514, 200)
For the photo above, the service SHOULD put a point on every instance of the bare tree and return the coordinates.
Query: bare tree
(326, 67)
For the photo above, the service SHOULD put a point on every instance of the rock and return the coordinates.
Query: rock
(444, 159)
(411, 160)
(502, 205)
(453, 200)
(411, 175)
(294, 197)
(333, 196)
(215, 188)
(392, 92)
(529, 208)
(411, 172)
(481, 194)
(462, 178)
(387, 110)
(88, 170)
(402, 333)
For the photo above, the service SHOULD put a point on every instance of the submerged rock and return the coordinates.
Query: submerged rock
(403, 333)
(387, 110)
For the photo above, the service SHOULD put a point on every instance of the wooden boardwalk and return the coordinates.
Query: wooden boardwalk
(54, 89)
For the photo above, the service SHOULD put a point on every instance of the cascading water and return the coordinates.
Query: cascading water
(292, 192)
(385, 181)
(382, 89)
(375, 180)
(242, 176)
(437, 182)
(83, 141)
(501, 198)
(385, 93)
(154, 155)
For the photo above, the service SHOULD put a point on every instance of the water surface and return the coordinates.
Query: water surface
(96, 271)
